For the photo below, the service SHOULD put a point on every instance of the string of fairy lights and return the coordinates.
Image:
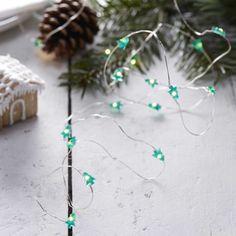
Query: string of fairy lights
(71, 142)
(174, 91)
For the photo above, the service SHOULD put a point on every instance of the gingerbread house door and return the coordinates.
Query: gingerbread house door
(17, 111)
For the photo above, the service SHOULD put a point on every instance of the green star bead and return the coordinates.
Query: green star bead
(211, 89)
(173, 91)
(118, 75)
(154, 106)
(38, 43)
(66, 133)
(157, 153)
(71, 142)
(198, 45)
(89, 180)
(122, 43)
(151, 82)
(116, 106)
(71, 220)
(219, 31)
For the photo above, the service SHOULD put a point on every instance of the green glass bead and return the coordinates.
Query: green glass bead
(198, 45)
(118, 75)
(71, 142)
(212, 90)
(66, 133)
(151, 82)
(38, 43)
(173, 91)
(116, 106)
(89, 180)
(219, 31)
(157, 153)
(154, 106)
(71, 220)
(122, 43)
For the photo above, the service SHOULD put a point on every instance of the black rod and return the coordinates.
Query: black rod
(70, 183)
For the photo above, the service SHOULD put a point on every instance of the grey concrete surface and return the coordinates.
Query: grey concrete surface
(195, 196)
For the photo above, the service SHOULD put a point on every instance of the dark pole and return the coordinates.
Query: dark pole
(70, 185)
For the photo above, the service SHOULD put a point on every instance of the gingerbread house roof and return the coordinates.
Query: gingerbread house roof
(15, 80)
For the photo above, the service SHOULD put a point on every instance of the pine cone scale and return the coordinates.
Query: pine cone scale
(63, 17)
(76, 28)
(54, 22)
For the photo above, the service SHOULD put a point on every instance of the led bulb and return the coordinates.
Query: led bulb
(38, 43)
(71, 142)
(173, 91)
(89, 180)
(157, 153)
(133, 61)
(211, 90)
(66, 133)
(154, 106)
(118, 75)
(219, 31)
(122, 43)
(116, 106)
(151, 82)
(107, 51)
(198, 45)
(71, 220)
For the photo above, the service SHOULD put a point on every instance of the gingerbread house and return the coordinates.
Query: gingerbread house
(19, 89)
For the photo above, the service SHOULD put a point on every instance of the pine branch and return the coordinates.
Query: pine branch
(120, 17)
(203, 14)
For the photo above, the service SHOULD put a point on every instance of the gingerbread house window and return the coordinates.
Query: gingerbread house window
(19, 89)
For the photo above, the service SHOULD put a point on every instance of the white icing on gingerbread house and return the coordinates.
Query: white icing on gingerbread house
(18, 91)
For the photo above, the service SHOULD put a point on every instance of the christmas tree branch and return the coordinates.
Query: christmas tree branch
(120, 17)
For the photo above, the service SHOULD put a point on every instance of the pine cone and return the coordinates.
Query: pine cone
(74, 36)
